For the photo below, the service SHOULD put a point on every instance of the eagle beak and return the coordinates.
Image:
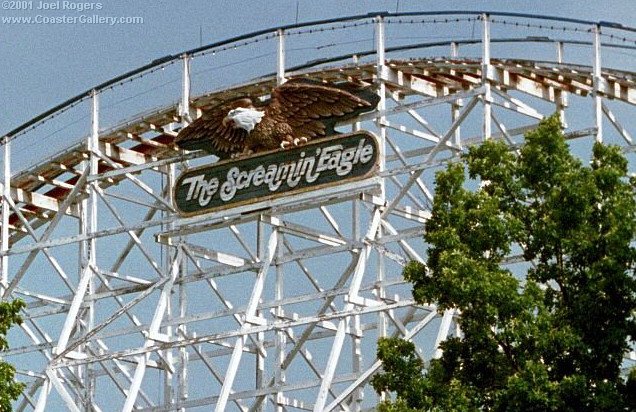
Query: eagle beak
(226, 120)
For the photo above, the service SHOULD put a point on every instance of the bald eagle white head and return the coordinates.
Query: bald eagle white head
(244, 117)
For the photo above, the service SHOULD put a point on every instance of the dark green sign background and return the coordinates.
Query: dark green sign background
(320, 163)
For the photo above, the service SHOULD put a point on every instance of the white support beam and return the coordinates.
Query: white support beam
(424, 102)
(381, 69)
(44, 394)
(354, 289)
(57, 384)
(281, 337)
(457, 104)
(409, 131)
(209, 254)
(396, 149)
(250, 311)
(614, 121)
(431, 155)
(47, 233)
(408, 82)
(184, 107)
(155, 324)
(123, 155)
(442, 332)
(516, 105)
(561, 95)
(486, 70)
(217, 291)
(252, 328)
(143, 186)
(71, 317)
(597, 82)
(122, 310)
(40, 201)
(54, 263)
(298, 346)
(280, 60)
(85, 320)
(376, 365)
(4, 229)
(134, 237)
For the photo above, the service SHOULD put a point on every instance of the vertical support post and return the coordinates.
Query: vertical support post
(251, 313)
(168, 371)
(185, 90)
(561, 96)
(168, 367)
(442, 333)
(260, 337)
(44, 392)
(380, 69)
(171, 376)
(155, 324)
(559, 50)
(93, 145)
(182, 331)
(381, 293)
(485, 76)
(281, 338)
(352, 296)
(182, 295)
(177, 389)
(280, 66)
(6, 192)
(356, 346)
(597, 83)
(457, 104)
(87, 263)
(356, 357)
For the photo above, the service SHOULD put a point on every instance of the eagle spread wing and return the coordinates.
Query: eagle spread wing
(211, 134)
(297, 109)
(312, 109)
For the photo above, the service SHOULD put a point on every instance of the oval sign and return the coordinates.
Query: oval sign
(320, 163)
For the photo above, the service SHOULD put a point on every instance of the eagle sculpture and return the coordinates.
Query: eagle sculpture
(296, 112)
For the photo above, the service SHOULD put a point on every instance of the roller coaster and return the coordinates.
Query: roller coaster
(274, 305)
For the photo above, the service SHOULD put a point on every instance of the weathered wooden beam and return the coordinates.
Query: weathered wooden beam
(41, 201)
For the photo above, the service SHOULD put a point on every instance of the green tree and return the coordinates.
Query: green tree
(10, 390)
(550, 339)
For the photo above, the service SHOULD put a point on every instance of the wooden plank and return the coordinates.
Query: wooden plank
(40, 201)
(121, 155)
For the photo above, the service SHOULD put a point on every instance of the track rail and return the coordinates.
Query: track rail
(158, 63)
(540, 79)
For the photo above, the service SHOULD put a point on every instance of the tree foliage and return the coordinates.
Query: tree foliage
(551, 338)
(10, 390)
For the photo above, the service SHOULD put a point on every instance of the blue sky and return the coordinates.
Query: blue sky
(44, 64)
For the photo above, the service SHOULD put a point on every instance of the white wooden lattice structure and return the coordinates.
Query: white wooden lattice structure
(277, 308)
